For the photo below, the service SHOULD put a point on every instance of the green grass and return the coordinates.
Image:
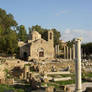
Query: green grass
(87, 75)
(31, 70)
(52, 75)
(54, 85)
(65, 82)
(27, 64)
(4, 87)
(58, 83)
(67, 75)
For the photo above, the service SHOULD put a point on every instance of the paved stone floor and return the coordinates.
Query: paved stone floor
(84, 86)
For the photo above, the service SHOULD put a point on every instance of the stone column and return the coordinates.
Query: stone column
(64, 52)
(58, 49)
(73, 52)
(67, 52)
(78, 65)
(70, 54)
(26, 70)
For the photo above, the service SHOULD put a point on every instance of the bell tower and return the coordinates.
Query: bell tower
(50, 36)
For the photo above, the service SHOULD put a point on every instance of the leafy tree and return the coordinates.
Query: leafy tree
(44, 33)
(36, 28)
(8, 37)
(57, 36)
(22, 35)
(86, 49)
(8, 43)
(6, 20)
(70, 43)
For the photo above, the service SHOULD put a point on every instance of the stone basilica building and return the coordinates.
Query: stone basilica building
(36, 47)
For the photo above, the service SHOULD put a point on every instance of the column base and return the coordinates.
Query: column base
(78, 90)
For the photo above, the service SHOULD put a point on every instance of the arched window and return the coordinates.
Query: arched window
(41, 52)
(50, 36)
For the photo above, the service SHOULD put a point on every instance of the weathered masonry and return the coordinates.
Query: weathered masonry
(36, 47)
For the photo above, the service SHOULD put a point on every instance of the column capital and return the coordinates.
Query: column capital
(78, 39)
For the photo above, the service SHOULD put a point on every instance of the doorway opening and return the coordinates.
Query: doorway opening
(41, 54)
(25, 56)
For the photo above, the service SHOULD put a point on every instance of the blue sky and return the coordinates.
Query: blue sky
(73, 18)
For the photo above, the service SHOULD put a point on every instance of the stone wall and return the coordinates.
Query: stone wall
(24, 49)
(31, 48)
(45, 45)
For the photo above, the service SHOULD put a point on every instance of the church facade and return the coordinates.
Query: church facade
(36, 47)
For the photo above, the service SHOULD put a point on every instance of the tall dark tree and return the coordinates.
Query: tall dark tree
(22, 35)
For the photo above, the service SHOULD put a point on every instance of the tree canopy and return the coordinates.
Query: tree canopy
(44, 33)
(22, 35)
(87, 49)
(70, 43)
(6, 21)
(8, 37)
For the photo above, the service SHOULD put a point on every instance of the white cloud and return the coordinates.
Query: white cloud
(69, 34)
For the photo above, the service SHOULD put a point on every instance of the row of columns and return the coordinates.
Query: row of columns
(69, 53)
(76, 54)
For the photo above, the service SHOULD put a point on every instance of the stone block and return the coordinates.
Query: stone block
(68, 89)
(50, 89)
(2, 81)
(88, 89)
(9, 81)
